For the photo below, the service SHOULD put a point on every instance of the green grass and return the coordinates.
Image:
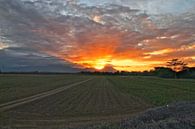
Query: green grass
(157, 91)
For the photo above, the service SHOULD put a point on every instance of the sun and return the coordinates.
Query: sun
(98, 67)
(100, 63)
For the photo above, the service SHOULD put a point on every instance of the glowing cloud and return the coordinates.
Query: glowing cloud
(3, 46)
(160, 52)
(98, 19)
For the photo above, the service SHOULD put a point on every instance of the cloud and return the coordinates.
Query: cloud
(3, 46)
(17, 60)
(151, 6)
(90, 34)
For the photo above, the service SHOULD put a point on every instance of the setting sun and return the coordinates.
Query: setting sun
(100, 64)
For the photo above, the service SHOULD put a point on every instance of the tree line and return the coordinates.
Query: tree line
(174, 68)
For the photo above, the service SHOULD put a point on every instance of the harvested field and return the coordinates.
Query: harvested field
(13, 87)
(95, 99)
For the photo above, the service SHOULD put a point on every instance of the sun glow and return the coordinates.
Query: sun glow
(132, 65)
(100, 63)
(97, 64)
(104, 50)
(118, 64)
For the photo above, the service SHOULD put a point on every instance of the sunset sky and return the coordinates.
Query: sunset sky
(72, 35)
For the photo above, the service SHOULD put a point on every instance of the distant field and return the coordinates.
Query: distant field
(102, 98)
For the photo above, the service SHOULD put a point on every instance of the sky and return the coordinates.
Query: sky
(75, 35)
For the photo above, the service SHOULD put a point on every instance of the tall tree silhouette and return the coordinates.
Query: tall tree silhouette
(177, 65)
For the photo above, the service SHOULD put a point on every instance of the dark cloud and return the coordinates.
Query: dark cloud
(17, 60)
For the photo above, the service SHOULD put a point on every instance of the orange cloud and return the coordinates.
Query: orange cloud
(160, 52)
(98, 47)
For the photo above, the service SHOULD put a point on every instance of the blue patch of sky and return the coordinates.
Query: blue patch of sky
(150, 6)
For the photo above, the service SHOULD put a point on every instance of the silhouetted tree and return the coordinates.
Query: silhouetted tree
(188, 73)
(177, 65)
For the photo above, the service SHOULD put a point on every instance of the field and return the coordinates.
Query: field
(30, 101)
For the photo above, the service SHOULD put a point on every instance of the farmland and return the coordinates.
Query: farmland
(94, 99)
(19, 86)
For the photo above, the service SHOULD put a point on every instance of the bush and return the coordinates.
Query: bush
(164, 72)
